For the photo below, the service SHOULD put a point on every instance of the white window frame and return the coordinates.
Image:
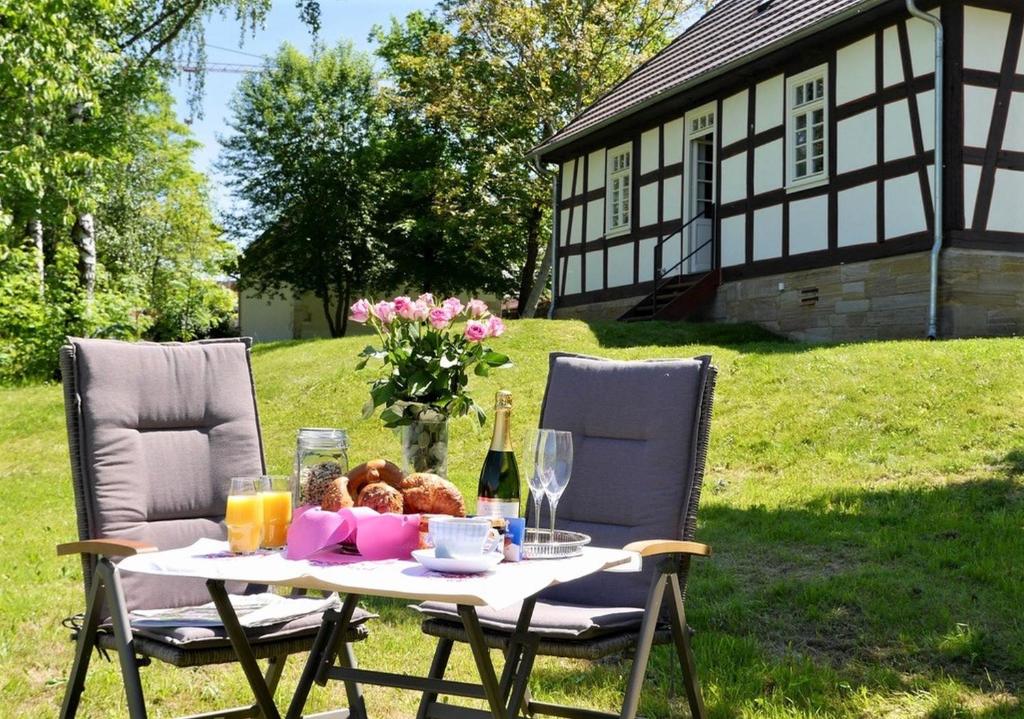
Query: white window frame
(796, 86)
(619, 180)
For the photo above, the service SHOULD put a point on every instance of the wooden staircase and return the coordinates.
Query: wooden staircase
(676, 298)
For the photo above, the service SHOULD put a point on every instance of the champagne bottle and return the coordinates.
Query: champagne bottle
(498, 490)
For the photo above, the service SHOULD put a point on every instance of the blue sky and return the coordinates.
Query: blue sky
(350, 19)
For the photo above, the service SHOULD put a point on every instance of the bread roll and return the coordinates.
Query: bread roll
(381, 497)
(426, 493)
(376, 470)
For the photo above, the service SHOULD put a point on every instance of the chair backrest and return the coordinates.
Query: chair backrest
(155, 432)
(640, 433)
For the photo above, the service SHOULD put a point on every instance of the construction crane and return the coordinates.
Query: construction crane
(232, 68)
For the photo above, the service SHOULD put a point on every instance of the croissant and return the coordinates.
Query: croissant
(376, 470)
(426, 493)
(381, 497)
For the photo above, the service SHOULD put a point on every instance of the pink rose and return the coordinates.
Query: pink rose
(475, 331)
(420, 310)
(360, 311)
(454, 305)
(477, 309)
(440, 317)
(404, 307)
(495, 326)
(384, 311)
(426, 298)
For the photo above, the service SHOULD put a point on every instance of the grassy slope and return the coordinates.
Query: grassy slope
(865, 503)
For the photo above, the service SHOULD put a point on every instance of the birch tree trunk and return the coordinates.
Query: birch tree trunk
(34, 239)
(540, 282)
(83, 234)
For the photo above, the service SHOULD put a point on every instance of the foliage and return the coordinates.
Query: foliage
(426, 360)
(302, 159)
(497, 77)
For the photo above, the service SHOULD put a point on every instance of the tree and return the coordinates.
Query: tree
(302, 158)
(502, 75)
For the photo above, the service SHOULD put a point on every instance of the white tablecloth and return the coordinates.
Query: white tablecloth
(507, 584)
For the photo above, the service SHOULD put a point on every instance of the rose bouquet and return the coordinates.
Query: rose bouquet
(427, 356)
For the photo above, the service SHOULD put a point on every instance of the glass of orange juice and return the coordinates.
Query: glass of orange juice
(276, 497)
(244, 516)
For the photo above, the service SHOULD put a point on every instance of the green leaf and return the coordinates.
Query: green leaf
(368, 408)
(382, 393)
(496, 359)
(481, 369)
(391, 418)
(481, 417)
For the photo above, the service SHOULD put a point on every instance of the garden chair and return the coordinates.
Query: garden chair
(640, 435)
(155, 432)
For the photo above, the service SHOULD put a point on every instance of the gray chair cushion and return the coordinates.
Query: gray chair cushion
(550, 619)
(217, 636)
(162, 428)
(635, 441)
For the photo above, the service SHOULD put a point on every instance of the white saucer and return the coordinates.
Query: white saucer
(457, 565)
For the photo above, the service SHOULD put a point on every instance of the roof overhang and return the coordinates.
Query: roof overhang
(538, 153)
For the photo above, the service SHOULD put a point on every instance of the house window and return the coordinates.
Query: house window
(807, 128)
(620, 165)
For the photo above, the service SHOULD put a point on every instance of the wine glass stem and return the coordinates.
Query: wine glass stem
(537, 499)
(554, 505)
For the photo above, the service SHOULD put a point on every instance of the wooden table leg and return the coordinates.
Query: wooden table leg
(484, 665)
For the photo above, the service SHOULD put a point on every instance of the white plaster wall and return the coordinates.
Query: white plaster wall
(1020, 62)
(568, 168)
(595, 170)
(646, 268)
(734, 178)
(595, 270)
(768, 233)
(855, 70)
(648, 204)
(808, 225)
(1007, 211)
(768, 103)
(904, 207)
(572, 275)
(926, 111)
(674, 132)
(734, 241)
(672, 198)
(563, 226)
(576, 229)
(649, 151)
(857, 210)
(972, 178)
(266, 319)
(892, 65)
(671, 253)
(768, 167)
(985, 33)
(620, 265)
(899, 141)
(979, 103)
(595, 219)
(1014, 139)
(733, 123)
(857, 141)
(921, 36)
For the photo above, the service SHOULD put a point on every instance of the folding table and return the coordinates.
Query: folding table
(329, 571)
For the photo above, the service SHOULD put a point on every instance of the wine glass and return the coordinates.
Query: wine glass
(533, 462)
(557, 467)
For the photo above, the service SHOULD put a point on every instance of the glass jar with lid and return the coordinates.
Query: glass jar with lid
(321, 452)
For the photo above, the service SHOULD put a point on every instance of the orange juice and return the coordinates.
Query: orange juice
(244, 519)
(277, 515)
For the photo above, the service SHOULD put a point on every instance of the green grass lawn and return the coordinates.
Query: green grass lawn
(865, 504)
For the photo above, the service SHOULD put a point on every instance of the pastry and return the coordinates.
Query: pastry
(381, 497)
(376, 470)
(335, 495)
(426, 493)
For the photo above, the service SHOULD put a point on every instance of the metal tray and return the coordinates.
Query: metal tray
(538, 544)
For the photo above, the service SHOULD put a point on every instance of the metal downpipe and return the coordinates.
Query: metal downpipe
(937, 183)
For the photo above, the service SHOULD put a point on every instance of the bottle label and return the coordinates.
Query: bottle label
(497, 508)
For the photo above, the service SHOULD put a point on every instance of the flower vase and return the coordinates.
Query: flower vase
(425, 446)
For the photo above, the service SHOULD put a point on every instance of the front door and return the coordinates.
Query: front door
(701, 197)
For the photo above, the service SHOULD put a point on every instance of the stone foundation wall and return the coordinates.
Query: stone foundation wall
(981, 293)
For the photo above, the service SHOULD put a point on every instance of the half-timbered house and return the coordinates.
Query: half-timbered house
(776, 164)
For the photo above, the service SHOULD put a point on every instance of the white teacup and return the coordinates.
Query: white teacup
(460, 537)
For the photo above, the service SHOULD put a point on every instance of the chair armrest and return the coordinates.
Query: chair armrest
(655, 547)
(108, 547)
